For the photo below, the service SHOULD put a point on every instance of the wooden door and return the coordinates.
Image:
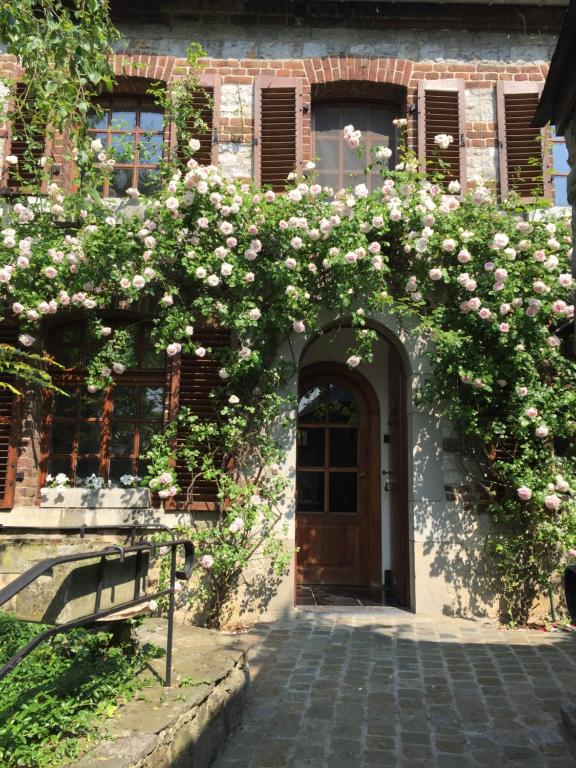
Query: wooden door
(397, 482)
(337, 486)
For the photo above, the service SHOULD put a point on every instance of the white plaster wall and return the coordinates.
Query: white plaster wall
(229, 41)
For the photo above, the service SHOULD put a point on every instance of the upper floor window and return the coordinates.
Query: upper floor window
(339, 166)
(560, 170)
(131, 130)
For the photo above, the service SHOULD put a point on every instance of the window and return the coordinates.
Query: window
(103, 433)
(131, 130)
(327, 459)
(339, 166)
(560, 170)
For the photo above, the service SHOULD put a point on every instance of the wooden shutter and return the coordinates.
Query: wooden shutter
(8, 431)
(521, 158)
(18, 177)
(441, 110)
(277, 130)
(206, 100)
(197, 378)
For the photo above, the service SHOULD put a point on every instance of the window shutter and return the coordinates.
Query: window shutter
(441, 110)
(8, 431)
(18, 176)
(198, 377)
(277, 130)
(206, 101)
(521, 159)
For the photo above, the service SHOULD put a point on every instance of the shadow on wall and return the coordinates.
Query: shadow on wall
(451, 532)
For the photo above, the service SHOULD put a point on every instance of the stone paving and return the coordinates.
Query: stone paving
(354, 688)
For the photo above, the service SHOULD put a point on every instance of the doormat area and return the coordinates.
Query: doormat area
(327, 594)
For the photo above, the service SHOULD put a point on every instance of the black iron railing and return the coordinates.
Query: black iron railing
(118, 555)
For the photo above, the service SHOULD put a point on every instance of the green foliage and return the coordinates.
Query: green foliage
(60, 695)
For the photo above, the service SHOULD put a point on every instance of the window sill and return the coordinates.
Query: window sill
(111, 498)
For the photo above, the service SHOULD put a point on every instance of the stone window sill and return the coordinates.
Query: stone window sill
(111, 498)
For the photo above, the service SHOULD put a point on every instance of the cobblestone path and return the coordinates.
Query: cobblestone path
(353, 688)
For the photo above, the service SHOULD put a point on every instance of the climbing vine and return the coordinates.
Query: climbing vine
(486, 284)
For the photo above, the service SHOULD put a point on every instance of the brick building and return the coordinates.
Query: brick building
(283, 79)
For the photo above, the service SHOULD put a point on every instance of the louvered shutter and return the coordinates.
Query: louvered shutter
(521, 158)
(197, 378)
(8, 431)
(206, 102)
(441, 110)
(277, 130)
(19, 176)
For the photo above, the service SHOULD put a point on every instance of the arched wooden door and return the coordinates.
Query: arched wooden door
(338, 487)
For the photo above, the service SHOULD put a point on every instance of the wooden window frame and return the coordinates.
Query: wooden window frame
(362, 102)
(263, 82)
(75, 379)
(212, 82)
(503, 88)
(550, 174)
(107, 103)
(451, 85)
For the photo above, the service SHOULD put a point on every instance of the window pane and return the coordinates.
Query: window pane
(85, 468)
(152, 402)
(152, 359)
(151, 119)
(69, 333)
(311, 447)
(150, 150)
(327, 154)
(57, 465)
(122, 148)
(148, 181)
(122, 438)
(327, 119)
(91, 405)
(120, 180)
(89, 437)
(312, 405)
(343, 492)
(561, 190)
(146, 431)
(356, 115)
(119, 467)
(124, 114)
(343, 447)
(310, 492)
(103, 138)
(95, 121)
(382, 122)
(125, 402)
(328, 179)
(65, 405)
(560, 157)
(62, 438)
(353, 163)
(69, 357)
(342, 405)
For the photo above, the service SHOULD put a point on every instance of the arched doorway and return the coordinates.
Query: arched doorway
(378, 531)
(338, 478)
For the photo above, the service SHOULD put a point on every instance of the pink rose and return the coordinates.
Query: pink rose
(207, 562)
(542, 431)
(552, 502)
(524, 493)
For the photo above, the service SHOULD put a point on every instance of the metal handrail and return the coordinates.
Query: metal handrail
(39, 569)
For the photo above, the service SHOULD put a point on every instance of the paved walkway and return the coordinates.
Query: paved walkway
(353, 688)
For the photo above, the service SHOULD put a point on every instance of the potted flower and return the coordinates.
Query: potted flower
(95, 492)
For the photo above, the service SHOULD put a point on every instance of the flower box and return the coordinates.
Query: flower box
(111, 498)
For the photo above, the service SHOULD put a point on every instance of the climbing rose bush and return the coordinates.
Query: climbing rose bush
(487, 284)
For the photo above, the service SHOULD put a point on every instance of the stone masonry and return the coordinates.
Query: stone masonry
(355, 688)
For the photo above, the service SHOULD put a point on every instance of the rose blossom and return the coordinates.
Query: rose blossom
(522, 391)
(200, 352)
(449, 244)
(435, 274)
(531, 412)
(353, 361)
(565, 280)
(213, 280)
(173, 349)
(223, 373)
(552, 502)
(464, 256)
(237, 525)
(118, 368)
(298, 326)
(504, 327)
(484, 313)
(138, 281)
(207, 562)
(26, 340)
(233, 400)
(561, 484)
(542, 431)
(524, 493)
